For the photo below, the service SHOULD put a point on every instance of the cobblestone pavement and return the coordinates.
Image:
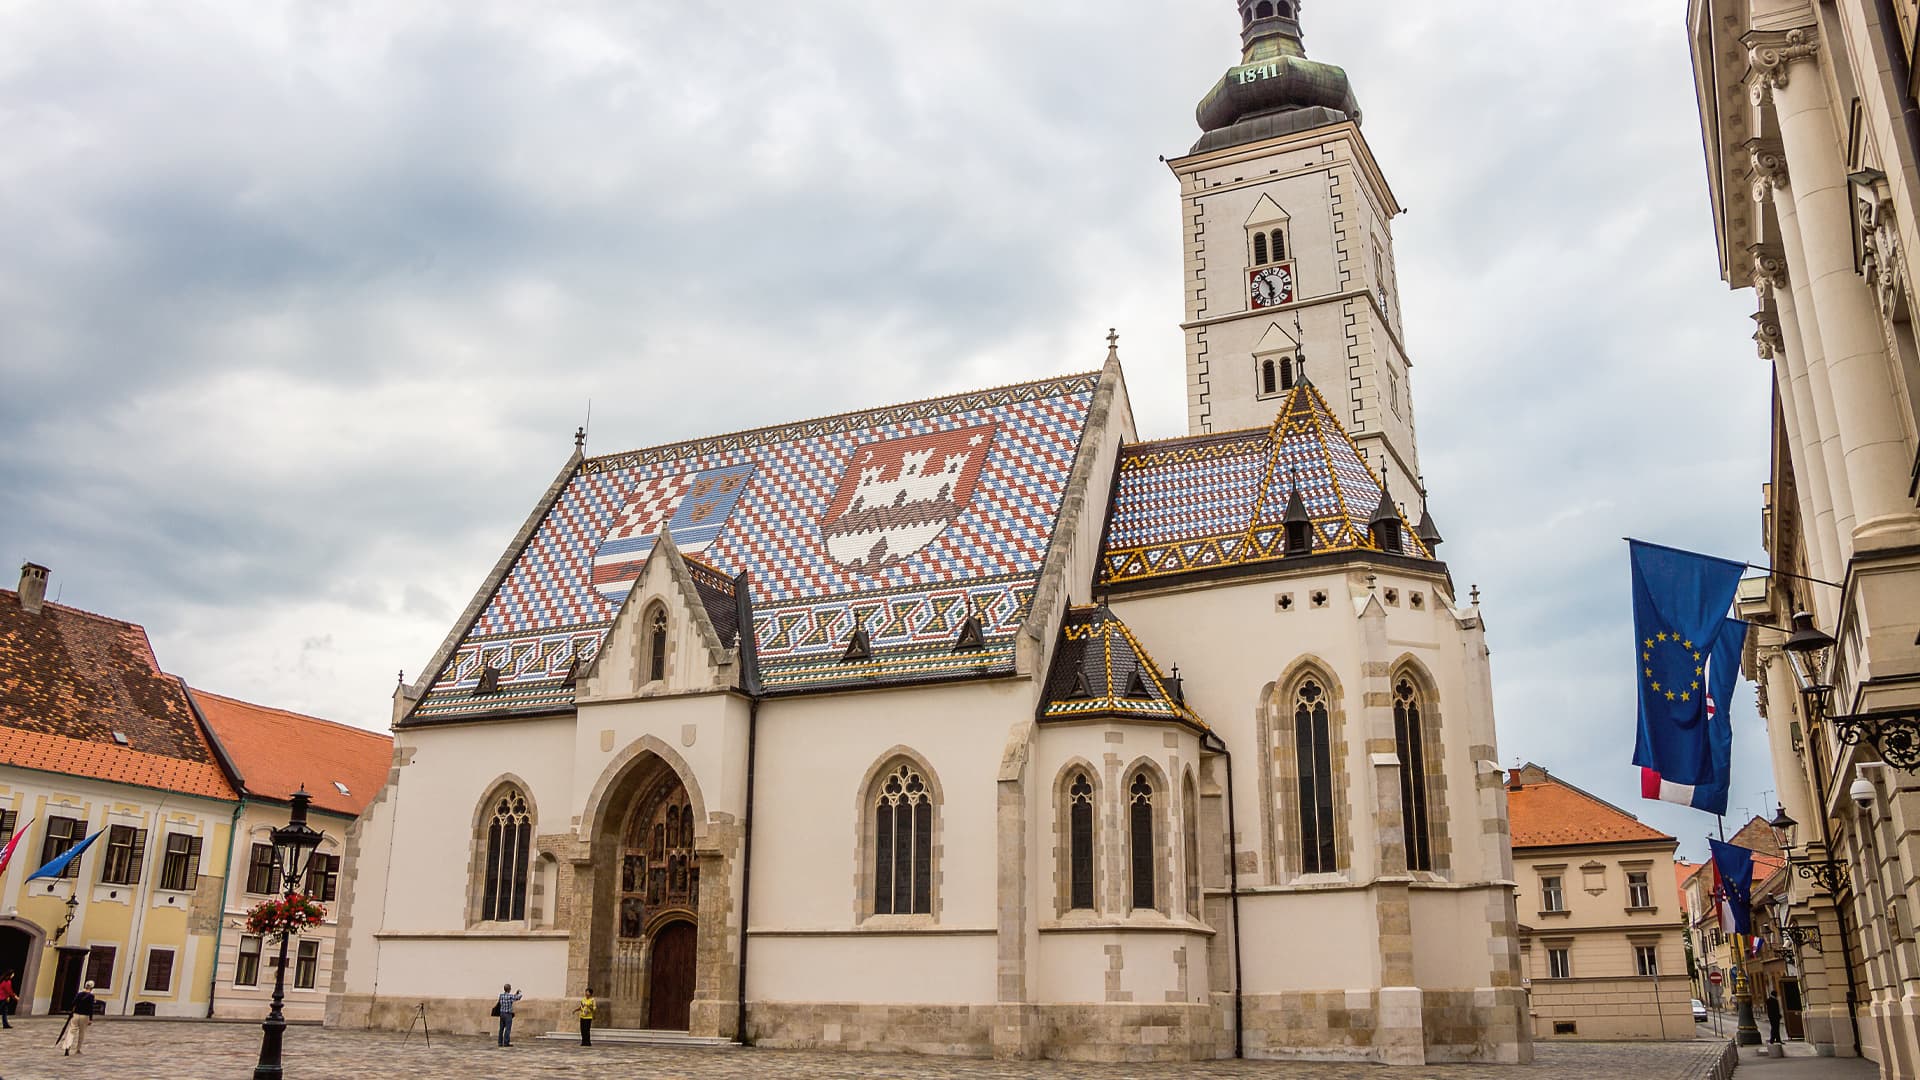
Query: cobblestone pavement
(173, 1050)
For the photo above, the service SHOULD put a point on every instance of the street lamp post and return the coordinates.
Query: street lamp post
(292, 845)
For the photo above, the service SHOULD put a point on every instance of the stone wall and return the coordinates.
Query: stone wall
(451, 1015)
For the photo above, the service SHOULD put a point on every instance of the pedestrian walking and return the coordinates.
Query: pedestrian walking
(1773, 1015)
(8, 996)
(588, 1007)
(79, 1019)
(504, 1010)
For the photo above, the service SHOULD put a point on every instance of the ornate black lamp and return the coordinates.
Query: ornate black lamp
(73, 905)
(1894, 733)
(292, 846)
(1801, 937)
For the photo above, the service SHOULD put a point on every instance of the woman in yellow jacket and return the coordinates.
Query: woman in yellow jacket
(585, 1012)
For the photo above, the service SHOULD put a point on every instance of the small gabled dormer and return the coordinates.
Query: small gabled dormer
(676, 633)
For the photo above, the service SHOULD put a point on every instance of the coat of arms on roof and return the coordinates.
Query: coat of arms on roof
(693, 506)
(898, 495)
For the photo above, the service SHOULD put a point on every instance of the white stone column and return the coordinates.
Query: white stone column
(1833, 499)
(1779, 338)
(1872, 439)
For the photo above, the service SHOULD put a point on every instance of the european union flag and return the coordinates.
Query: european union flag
(1723, 671)
(1680, 602)
(1733, 865)
(58, 865)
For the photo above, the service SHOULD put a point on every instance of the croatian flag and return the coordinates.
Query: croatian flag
(6, 854)
(1684, 743)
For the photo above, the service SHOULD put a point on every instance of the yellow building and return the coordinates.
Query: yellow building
(1602, 934)
(97, 739)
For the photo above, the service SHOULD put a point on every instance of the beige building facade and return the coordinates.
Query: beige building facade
(1811, 130)
(1602, 930)
(978, 725)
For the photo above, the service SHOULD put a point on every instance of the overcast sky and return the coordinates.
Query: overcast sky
(300, 302)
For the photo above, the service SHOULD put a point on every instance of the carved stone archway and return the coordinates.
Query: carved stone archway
(647, 779)
(25, 962)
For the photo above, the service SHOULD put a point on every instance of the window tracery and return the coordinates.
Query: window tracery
(1410, 742)
(903, 844)
(503, 896)
(1080, 853)
(1314, 759)
(1140, 836)
(657, 645)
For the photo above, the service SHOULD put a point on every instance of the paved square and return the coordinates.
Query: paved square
(174, 1050)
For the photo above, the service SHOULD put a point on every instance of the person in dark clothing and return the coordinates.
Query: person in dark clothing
(504, 1010)
(1773, 1015)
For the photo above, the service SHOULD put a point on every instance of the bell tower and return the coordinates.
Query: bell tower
(1287, 222)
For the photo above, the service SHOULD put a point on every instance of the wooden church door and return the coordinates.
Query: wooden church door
(670, 978)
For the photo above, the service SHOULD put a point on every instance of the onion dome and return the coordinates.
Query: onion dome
(1275, 89)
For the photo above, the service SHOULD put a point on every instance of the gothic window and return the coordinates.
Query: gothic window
(1263, 11)
(1259, 249)
(1279, 245)
(509, 839)
(903, 843)
(1080, 842)
(1190, 841)
(657, 645)
(1140, 838)
(1269, 376)
(1410, 741)
(1313, 753)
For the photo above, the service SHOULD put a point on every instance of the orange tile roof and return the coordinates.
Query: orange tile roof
(1549, 813)
(1682, 870)
(277, 751)
(74, 685)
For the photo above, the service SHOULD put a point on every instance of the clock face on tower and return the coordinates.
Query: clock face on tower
(1270, 286)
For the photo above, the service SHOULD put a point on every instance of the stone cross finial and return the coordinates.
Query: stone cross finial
(1113, 344)
(579, 438)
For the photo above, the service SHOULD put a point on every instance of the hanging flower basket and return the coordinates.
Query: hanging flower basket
(285, 916)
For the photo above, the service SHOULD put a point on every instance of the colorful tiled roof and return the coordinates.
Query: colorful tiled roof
(1101, 671)
(1549, 813)
(901, 520)
(276, 752)
(1205, 502)
(70, 681)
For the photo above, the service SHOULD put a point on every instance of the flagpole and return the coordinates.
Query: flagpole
(1748, 565)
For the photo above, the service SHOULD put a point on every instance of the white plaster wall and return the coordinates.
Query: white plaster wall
(1341, 950)
(920, 969)
(473, 967)
(452, 769)
(707, 731)
(814, 754)
(1073, 966)
(1451, 947)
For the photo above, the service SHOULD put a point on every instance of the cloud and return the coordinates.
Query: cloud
(302, 300)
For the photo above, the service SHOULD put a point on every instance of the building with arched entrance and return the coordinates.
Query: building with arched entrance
(980, 725)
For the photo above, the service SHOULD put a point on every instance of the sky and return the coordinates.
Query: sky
(302, 300)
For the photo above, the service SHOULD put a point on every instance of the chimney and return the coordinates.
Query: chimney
(33, 587)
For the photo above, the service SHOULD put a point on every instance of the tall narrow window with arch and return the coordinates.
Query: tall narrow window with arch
(1190, 842)
(903, 844)
(1313, 755)
(657, 645)
(1080, 842)
(503, 896)
(1410, 741)
(1140, 838)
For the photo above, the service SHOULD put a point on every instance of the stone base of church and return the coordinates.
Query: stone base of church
(449, 1015)
(1108, 1032)
(1394, 1026)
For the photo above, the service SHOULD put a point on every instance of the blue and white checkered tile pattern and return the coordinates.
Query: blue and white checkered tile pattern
(804, 599)
(1170, 493)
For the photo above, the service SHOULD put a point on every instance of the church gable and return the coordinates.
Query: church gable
(1216, 501)
(668, 635)
(902, 522)
(1100, 671)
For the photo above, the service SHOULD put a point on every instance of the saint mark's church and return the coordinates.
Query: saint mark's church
(979, 725)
